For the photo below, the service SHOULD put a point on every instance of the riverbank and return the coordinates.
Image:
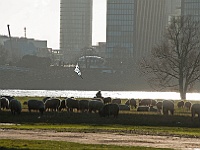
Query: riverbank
(67, 79)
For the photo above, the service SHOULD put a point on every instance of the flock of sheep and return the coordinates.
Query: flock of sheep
(104, 106)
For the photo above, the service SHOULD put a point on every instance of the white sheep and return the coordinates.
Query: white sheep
(4, 103)
(83, 105)
(15, 106)
(195, 109)
(159, 106)
(131, 102)
(72, 104)
(109, 109)
(188, 105)
(36, 105)
(52, 104)
(168, 106)
(95, 106)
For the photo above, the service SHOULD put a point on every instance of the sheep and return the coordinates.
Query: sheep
(116, 101)
(83, 105)
(52, 104)
(195, 109)
(131, 102)
(168, 106)
(188, 105)
(159, 106)
(63, 105)
(124, 107)
(145, 102)
(108, 110)
(15, 106)
(107, 100)
(180, 104)
(95, 106)
(35, 105)
(72, 104)
(4, 103)
(143, 108)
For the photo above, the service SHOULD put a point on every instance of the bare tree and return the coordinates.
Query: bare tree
(175, 63)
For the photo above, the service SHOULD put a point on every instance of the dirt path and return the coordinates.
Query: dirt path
(105, 138)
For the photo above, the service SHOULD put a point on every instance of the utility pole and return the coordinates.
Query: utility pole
(11, 48)
(9, 36)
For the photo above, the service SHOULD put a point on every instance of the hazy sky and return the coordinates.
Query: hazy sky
(42, 20)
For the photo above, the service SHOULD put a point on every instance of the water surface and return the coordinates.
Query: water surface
(91, 94)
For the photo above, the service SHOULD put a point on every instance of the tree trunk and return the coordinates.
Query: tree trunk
(183, 95)
(182, 90)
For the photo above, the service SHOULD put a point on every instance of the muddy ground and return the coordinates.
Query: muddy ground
(105, 138)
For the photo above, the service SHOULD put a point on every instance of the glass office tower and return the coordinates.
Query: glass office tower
(134, 27)
(75, 27)
(192, 8)
(120, 28)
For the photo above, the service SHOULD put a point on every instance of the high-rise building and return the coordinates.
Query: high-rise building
(151, 20)
(75, 27)
(191, 8)
(134, 27)
(120, 29)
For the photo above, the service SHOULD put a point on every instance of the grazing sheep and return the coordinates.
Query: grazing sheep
(180, 104)
(63, 105)
(145, 102)
(35, 105)
(109, 109)
(52, 104)
(195, 109)
(159, 106)
(95, 106)
(15, 106)
(143, 108)
(4, 103)
(72, 104)
(188, 105)
(131, 102)
(168, 106)
(116, 101)
(83, 105)
(124, 107)
(107, 100)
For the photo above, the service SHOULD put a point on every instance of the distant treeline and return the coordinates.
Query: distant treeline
(31, 61)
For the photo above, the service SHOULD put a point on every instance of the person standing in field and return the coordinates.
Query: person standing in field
(98, 94)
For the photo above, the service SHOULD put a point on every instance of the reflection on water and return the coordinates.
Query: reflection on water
(90, 94)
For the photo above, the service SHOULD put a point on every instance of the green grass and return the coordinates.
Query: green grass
(56, 145)
(128, 122)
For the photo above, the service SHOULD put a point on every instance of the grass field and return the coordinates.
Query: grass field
(128, 122)
(55, 145)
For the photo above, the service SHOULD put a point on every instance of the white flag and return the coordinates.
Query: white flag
(78, 71)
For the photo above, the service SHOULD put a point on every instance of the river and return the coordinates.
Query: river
(90, 94)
